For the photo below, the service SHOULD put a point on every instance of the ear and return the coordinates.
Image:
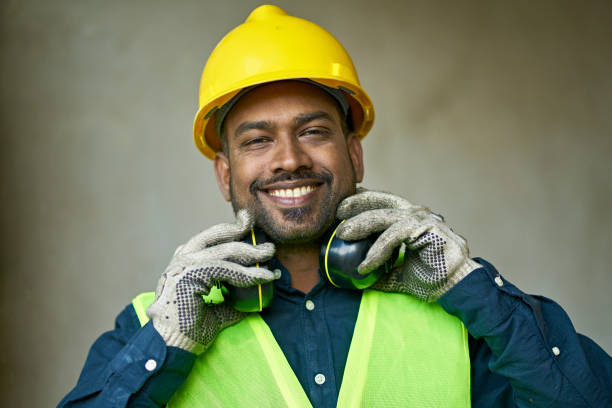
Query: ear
(356, 153)
(222, 171)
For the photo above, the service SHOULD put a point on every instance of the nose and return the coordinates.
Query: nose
(289, 155)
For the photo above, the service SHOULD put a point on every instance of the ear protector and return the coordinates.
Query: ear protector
(338, 261)
(252, 298)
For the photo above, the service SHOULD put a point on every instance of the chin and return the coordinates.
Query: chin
(295, 227)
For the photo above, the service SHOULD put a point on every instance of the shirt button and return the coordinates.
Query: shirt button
(499, 281)
(320, 379)
(310, 306)
(556, 351)
(150, 365)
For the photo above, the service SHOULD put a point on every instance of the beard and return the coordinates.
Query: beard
(297, 225)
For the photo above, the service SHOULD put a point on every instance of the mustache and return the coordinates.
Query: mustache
(323, 176)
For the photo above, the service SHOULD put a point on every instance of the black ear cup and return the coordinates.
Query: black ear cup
(339, 259)
(252, 298)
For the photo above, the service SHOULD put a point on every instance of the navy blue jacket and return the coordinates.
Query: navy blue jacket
(524, 350)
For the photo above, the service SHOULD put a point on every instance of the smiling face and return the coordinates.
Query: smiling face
(289, 161)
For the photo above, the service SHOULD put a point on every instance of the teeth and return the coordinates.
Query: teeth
(291, 192)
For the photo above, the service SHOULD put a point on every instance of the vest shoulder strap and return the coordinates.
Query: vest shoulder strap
(244, 367)
(406, 352)
(140, 304)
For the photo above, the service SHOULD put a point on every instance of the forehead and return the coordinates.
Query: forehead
(280, 100)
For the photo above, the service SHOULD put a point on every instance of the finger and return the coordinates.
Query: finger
(238, 275)
(370, 200)
(238, 252)
(372, 221)
(368, 223)
(430, 225)
(178, 250)
(200, 280)
(404, 230)
(161, 283)
(220, 233)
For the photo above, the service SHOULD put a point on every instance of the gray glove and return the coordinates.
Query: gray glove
(179, 313)
(436, 258)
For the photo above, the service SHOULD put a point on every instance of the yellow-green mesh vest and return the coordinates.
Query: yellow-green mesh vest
(404, 353)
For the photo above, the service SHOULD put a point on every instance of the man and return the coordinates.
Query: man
(282, 114)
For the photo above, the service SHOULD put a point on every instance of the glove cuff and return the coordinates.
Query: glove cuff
(464, 270)
(174, 338)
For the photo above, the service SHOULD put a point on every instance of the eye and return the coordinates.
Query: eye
(255, 142)
(315, 131)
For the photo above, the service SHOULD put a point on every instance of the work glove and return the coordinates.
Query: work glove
(179, 312)
(435, 257)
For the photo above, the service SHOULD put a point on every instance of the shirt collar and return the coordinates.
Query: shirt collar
(284, 282)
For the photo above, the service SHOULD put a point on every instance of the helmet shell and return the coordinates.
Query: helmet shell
(274, 46)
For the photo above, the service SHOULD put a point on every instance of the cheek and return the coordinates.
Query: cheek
(339, 163)
(241, 178)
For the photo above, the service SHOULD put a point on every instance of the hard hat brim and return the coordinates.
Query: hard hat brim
(209, 143)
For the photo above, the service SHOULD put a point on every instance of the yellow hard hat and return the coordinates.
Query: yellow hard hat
(273, 46)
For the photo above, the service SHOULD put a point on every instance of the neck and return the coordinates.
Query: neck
(302, 262)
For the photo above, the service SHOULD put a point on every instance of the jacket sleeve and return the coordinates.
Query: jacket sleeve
(130, 366)
(524, 349)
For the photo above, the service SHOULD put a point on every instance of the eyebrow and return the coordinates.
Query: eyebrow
(299, 120)
(246, 126)
(304, 118)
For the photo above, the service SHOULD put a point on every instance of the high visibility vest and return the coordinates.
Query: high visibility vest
(404, 353)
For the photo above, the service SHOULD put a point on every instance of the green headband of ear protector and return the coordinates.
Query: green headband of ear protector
(338, 262)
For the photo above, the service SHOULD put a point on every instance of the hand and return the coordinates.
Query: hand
(436, 258)
(179, 313)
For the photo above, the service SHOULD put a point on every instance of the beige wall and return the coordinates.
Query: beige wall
(496, 114)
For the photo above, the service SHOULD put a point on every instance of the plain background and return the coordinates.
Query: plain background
(493, 113)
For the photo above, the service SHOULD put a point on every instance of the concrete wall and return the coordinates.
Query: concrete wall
(493, 113)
